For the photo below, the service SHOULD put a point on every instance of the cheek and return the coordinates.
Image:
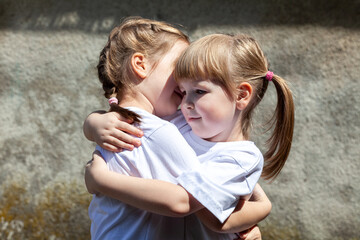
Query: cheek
(218, 111)
(209, 110)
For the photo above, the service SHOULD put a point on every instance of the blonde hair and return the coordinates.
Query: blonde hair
(135, 34)
(230, 60)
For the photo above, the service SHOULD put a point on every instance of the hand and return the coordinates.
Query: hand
(250, 234)
(93, 168)
(111, 131)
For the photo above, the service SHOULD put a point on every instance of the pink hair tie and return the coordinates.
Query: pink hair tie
(113, 100)
(269, 75)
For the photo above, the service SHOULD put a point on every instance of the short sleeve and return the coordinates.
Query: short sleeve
(218, 184)
(104, 153)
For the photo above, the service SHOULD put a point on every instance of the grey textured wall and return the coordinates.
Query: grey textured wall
(48, 85)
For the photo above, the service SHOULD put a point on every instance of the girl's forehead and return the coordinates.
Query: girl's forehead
(195, 82)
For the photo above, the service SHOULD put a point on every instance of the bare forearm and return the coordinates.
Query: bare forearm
(245, 215)
(156, 196)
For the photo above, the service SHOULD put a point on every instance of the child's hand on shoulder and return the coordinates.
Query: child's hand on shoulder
(111, 131)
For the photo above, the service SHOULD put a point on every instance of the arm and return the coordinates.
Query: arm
(245, 215)
(173, 202)
(148, 194)
(111, 131)
(169, 199)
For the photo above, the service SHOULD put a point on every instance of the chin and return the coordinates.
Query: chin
(203, 134)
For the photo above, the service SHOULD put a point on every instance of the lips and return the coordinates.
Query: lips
(193, 118)
(190, 114)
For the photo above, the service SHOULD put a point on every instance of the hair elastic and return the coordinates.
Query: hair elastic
(113, 100)
(269, 75)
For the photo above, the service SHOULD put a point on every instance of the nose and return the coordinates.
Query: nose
(187, 102)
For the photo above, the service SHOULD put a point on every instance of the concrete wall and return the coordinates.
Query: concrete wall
(48, 85)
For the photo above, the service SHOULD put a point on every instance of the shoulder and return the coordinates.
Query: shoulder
(107, 155)
(151, 124)
(244, 154)
(168, 144)
(159, 132)
(162, 129)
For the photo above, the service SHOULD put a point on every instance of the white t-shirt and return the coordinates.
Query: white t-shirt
(164, 154)
(228, 170)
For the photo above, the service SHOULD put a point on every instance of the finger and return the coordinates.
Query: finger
(130, 129)
(253, 234)
(119, 139)
(239, 236)
(111, 147)
(120, 144)
(242, 235)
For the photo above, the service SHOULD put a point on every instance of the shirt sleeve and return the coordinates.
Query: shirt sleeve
(104, 153)
(218, 184)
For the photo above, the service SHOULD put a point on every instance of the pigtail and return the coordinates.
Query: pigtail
(110, 87)
(131, 116)
(102, 67)
(283, 126)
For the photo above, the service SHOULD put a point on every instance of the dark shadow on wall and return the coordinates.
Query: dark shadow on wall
(101, 16)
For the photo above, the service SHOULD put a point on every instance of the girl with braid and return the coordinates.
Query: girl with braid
(145, 193)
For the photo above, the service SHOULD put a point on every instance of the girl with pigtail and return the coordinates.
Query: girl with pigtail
(136, 71)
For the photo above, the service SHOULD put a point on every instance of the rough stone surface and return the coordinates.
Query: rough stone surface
(49, 50)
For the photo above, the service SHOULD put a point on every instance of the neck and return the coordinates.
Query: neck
(232, 135)
(136, 99)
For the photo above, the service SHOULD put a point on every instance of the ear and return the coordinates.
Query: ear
(139, 65)
(244, 95)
